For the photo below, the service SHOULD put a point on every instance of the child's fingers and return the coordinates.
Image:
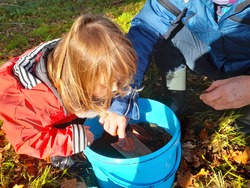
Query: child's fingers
(86, 127)
(89, 137)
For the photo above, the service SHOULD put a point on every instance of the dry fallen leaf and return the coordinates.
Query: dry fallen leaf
(47, 159)
(208, 124)
(72, 183)
(188, 145)
(203, 134)
(81, 185)
(241, 157)
(186, 153)
(184, 179)
(18, 186)
(191, 157)
(5, 148)
(201, 173)
(183, 166)
(196, 161)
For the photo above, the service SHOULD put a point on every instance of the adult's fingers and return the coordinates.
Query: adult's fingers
(211, 96)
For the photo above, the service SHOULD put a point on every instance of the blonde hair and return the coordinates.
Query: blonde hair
(94, 47)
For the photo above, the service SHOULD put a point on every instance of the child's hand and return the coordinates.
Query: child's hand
(89, 137)
(115, 124)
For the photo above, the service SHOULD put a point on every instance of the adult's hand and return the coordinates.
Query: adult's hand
(115, 125)
(229, 93)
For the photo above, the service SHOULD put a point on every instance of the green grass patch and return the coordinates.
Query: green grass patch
(32, 22)
(45, 179)
(6, 173)
(17, 41)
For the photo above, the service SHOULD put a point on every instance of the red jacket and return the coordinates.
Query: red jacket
(35, 121)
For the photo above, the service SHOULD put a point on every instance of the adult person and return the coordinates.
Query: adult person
(211, 37)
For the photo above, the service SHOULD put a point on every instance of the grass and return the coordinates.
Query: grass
(218, 180)
(6, 173)
(45, 178)
(24, 24)
(225, 140)
(215, 152)
(227, 135)
(29, 23)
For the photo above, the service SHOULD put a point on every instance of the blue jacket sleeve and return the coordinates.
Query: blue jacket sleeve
(126, 105)
(143, 34)
(143, 41)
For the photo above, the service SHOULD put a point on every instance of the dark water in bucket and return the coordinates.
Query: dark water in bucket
(103, 146)
(159, 138)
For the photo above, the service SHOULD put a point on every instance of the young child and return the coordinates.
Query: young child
(45, 91)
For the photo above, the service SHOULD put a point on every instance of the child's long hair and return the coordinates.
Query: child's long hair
(95, 47)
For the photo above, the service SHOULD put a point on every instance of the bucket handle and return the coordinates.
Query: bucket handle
(178, 160)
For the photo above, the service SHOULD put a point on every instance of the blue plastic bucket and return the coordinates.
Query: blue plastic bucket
(157, 169)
